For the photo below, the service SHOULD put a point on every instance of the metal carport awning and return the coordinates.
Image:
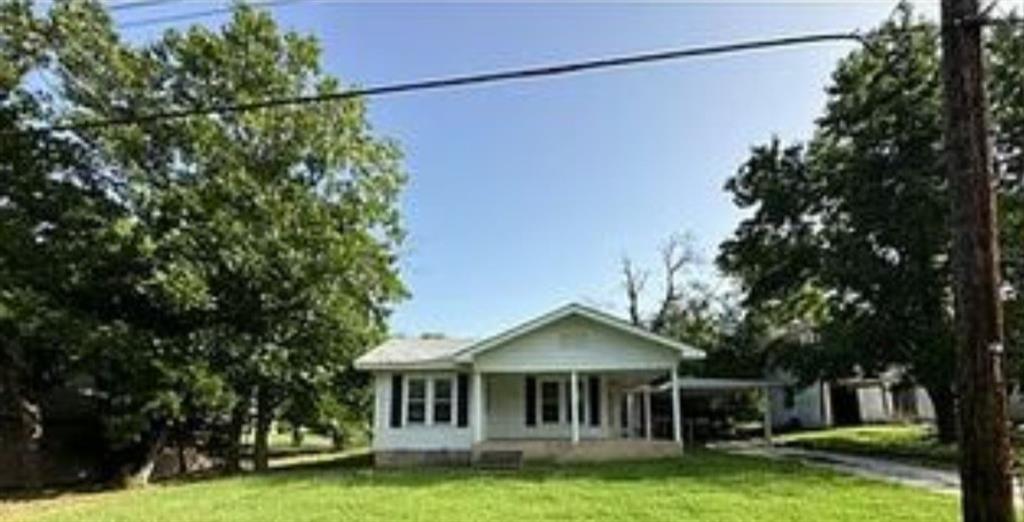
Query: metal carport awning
(716, 384)
(712, 385)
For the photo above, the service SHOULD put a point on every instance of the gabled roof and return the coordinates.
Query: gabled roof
(441, 353)
(575, 309)
(404, 352)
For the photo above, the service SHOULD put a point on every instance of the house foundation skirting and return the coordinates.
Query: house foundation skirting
(561, 451)
(585, 450)
(422, 458)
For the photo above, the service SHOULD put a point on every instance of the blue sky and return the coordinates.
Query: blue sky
(524, 196)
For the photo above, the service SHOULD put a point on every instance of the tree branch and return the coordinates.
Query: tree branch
(634, 280)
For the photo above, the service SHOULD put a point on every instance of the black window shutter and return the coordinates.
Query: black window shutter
(531, 401)
(463, 392)
(568, 401)
(624, 412)
(595, 400)
(643, 414)
(396, 400)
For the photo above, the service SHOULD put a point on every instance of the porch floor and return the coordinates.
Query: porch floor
(559, 450)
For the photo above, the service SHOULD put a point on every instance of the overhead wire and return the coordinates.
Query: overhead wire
(180, 17)
(463, 80)
(520, 74)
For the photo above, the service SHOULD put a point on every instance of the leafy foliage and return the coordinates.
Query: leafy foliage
(849, 234)
(235, 254)
(859, 216)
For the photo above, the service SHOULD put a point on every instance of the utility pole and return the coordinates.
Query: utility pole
(985, 461)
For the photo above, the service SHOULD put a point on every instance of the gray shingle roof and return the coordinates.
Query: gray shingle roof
(402, 351)
(440, 353)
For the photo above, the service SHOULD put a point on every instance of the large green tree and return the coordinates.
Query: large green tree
(274, 233)
(39, 214)
(1006, 92)
(855, 222)
(250, 255)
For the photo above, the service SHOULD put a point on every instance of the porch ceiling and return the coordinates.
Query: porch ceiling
(713, 384)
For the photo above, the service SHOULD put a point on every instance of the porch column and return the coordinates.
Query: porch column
(647, 413)
(574, 406)
(767, 416)
(479, 419)
(677, 413)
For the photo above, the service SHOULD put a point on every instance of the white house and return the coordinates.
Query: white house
(575, 383)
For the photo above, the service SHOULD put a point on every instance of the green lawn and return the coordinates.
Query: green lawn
(701, 486)
(910, 442)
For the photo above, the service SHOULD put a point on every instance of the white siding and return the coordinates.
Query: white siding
(872, 402)
(925, 408)
(506, 410)
(414, 437)
(804, 409)
(576, 343)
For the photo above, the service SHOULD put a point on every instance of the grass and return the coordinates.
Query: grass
(280, 444)
(910, 442)
(702, 486)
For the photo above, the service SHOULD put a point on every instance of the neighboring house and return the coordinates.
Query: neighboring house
(850, 402)
(575, 383)
(862, 400)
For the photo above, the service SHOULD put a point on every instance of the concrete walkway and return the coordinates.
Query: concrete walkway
(937, 480)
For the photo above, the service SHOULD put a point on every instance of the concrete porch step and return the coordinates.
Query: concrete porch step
(500, 459)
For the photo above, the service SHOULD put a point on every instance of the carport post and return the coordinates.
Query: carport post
(478, 407)
(767, 415)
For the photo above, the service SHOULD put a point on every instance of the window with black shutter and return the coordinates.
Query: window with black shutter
(416, 409)
(550, 406)
(443, 399)
(624, 412)
(595, 400)
(531, 401)
(396, 400)
(463, 400)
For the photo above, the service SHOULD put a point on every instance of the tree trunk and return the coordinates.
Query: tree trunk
(261, 442)
(337, 437)
(182, 454)
(141, 459)
(26, 430)
(28, 433)
(233, 455)
(985, 456)
(944, 403)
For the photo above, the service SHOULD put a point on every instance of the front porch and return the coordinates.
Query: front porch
(550, 412)
(594, 415)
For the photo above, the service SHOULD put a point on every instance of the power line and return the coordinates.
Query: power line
(137, 4)
(472, 79)
(157, 20)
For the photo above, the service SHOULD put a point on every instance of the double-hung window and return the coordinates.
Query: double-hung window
(416, 408)
(550, 402)
(430, 400)
(443, 400)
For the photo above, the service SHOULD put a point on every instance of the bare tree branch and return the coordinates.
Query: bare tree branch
(677, 255)
(634, 280)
